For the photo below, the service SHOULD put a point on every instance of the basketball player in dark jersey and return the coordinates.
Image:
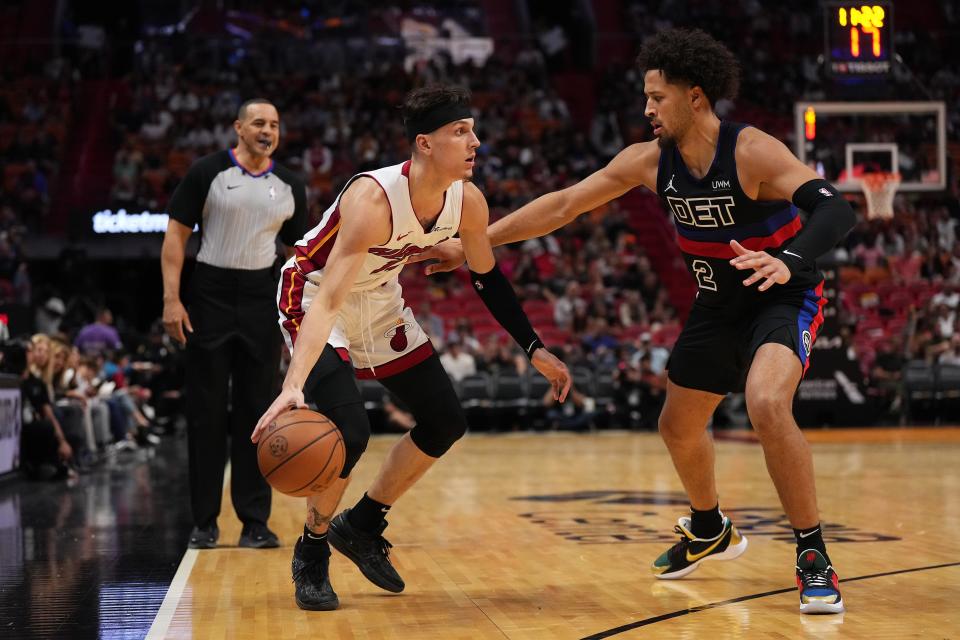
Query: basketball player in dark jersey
(735, 194)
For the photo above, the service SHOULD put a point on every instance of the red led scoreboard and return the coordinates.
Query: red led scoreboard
(859, 38)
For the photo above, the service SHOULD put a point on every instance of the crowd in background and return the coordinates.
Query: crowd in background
(590, 289)
(87, 397)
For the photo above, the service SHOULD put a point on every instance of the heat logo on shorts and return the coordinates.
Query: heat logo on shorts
(398, 336)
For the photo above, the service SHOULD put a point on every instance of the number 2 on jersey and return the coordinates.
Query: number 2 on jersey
(704, 273)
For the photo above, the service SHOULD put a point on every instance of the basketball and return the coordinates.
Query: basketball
(301, 453)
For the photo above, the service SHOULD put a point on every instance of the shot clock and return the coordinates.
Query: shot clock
(859, 38)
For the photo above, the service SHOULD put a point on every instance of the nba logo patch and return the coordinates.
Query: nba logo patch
(807, 340)
(272, 193)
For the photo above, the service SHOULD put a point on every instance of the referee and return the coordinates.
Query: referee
(243, 202)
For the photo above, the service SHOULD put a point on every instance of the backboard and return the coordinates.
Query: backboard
(842, 140)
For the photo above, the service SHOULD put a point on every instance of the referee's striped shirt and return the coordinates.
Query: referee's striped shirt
(240, 214)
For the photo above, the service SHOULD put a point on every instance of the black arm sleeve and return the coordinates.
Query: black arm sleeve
(831, 218)
(498, 295)
(186, 203)
(296, 225)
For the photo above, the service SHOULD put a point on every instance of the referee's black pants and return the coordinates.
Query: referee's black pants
(233, 358)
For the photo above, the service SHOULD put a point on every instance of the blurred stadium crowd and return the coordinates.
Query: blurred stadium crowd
(609, 291)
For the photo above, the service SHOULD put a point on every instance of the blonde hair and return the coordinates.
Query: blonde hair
(42, 339)
(56, 378)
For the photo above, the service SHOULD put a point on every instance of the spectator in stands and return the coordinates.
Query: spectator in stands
(576, 414)
(657, 355)
(653, 385)
(99, 336)
(463, 334)
(631, 310)
(497, 356)
(396, 415)
(70, 407)
(458, 363)
(44, 451)
(566, 306)
(627, 394)
(49, 315)
(887, 373)
(948, 297)
(432, 324)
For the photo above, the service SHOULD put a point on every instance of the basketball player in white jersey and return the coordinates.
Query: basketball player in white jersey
(340, 302)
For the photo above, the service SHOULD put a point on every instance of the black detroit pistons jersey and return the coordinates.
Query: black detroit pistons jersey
(711, 211)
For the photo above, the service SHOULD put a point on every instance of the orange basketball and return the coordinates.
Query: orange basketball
(301, 453)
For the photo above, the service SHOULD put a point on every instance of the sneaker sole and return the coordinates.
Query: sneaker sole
(261, 544)
(340, 545)
(730, 553)
(323, 606)
(202, 545)
(822, 607)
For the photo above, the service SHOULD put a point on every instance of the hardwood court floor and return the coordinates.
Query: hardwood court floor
(550, 536)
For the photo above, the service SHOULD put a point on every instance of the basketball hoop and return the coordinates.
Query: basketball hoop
(879, 189)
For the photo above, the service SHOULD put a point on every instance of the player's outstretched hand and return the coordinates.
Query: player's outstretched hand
(763, 264)
(553, 370)
(449, 254)
(288, 399)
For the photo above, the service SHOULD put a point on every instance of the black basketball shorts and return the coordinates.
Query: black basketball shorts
(715, 350)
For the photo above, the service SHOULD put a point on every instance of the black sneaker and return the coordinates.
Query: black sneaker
(685, 556)
(311, 574)
(370, 552)
(258, 536)
(204, 538)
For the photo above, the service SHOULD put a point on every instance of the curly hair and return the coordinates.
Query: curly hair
(694, 57)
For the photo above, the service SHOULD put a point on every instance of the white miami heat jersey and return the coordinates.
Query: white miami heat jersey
(408, 238)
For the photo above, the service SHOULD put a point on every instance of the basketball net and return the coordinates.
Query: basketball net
(879, 190)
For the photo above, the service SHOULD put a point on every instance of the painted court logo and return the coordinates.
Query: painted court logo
(614, 516)
(807, 342)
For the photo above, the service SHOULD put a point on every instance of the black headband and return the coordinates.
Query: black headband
(435, 118)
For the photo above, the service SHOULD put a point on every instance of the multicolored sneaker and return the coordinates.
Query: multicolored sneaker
(685, 556)
(818, 584)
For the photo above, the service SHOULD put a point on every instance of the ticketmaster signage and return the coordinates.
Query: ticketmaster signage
(107, 221)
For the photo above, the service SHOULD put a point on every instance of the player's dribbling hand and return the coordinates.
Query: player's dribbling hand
(175, 318)
(763, 264)
(553, 370)
(449, 253)
(288, 399)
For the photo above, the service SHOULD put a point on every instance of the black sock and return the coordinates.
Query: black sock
(368, 514)
(706, 524)
(312, 539)
(811, 538)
